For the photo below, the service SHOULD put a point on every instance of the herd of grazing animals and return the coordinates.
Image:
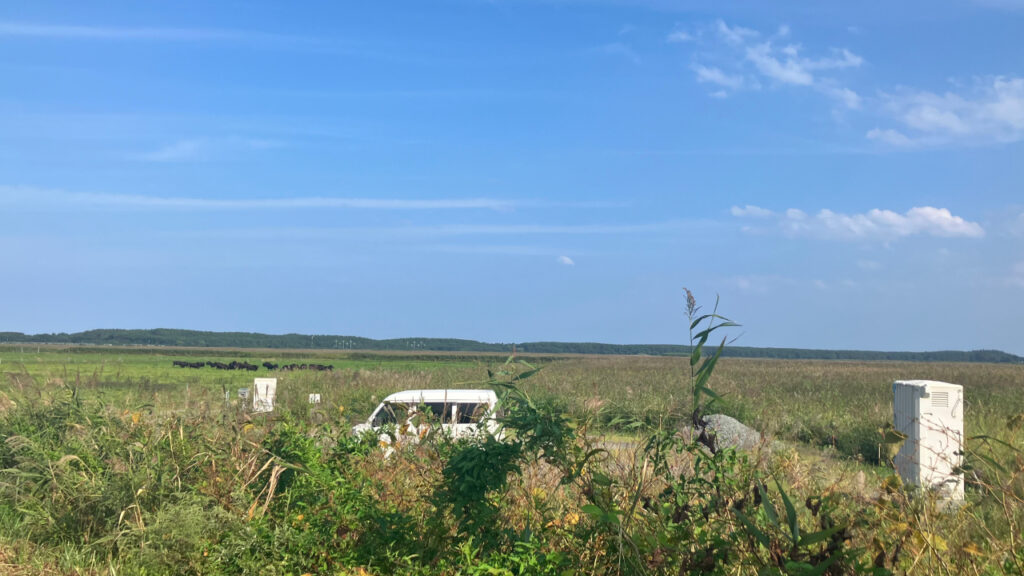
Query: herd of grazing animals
(235, 365)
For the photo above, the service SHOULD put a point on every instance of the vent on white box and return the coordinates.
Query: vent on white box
(940, 399)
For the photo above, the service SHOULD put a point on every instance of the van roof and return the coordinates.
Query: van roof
(450, 396)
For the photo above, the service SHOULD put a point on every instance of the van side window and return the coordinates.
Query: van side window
(472, 413)
(439, 410)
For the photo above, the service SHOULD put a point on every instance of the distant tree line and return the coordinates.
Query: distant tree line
(193, 338)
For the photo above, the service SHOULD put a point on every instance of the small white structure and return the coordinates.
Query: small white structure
(243, 393)
(314, 398)
(931, 415)
(264, 390)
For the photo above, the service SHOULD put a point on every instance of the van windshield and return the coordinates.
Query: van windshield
(391, 413)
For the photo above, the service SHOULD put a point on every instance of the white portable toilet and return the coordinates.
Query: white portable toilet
(263, 392)
(931, 415)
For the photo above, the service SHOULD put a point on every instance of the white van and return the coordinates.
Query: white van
(410, 414)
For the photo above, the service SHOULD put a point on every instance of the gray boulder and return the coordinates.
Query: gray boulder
(731, 433)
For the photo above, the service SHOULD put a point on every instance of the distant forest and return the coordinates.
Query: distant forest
(193, 338)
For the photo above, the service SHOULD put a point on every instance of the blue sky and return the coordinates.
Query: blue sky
(842, 175)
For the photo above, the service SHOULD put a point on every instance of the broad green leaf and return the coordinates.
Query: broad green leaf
(820, 536)
(791, 517)
(769, 508)
(759, 535)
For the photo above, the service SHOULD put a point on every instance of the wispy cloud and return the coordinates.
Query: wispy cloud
(988, 111)
(745, 58)
(619, 49)
(677, 36)
(205, 149)
(1017, 227)
(736, 34)
(165, 34)
(1016, 277)
(176, 152)
(24, 196)
(750, 211)
(1002, 4)
(706, 74)
(566, 261)
(440, 231)
(225, 36)
(991, 111)
(874, 225)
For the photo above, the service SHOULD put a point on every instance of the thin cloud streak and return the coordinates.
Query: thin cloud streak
(451, 230)
(251, 38)
(35, 198)
(76, 32)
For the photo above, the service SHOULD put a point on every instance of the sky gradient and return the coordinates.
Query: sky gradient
(841, 175)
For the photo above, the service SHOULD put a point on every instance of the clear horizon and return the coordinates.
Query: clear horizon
(843, 176)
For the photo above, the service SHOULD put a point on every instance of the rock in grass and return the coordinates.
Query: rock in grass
(731, 433)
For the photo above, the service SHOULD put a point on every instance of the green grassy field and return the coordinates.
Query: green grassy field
(825, 403)
(113, 461)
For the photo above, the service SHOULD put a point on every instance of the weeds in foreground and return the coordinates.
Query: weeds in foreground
(94, 488)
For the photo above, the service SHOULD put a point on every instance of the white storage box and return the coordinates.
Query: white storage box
(931, 415)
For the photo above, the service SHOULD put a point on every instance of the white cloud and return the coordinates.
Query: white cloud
(150, 34)
(36, 197)
(735, 34)
(1016, 277)
(177, 152)
(205, 149)
(990, 111)
(785, 64)
(566, 261)
(706, 74)
(750, 211)
(844, 96)
(874, 225)
(679, 36)
(1002, 4)
(744, 57)
(891, 137)
(620, 49)
(788, 72)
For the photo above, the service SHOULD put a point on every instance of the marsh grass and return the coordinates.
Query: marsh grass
(118, 463)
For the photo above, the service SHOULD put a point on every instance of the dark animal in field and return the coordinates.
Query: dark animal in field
(317, 367)
(234, 365)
